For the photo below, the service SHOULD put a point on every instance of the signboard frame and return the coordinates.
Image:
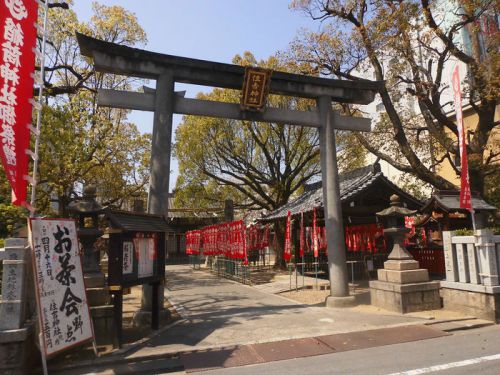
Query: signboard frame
(116, 277)
(37, 294)
(255, 89)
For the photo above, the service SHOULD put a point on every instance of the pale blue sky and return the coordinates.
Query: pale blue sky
(211, 30)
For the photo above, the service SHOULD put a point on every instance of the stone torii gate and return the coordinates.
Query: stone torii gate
(164, 102)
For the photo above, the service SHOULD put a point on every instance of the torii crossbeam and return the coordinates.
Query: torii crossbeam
(164, 102)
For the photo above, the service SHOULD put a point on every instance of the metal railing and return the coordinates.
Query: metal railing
(195, 261)
(229, 268)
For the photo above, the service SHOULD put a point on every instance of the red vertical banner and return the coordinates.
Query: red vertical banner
(17, 65)
(465, 194)
(288, 244)
(302, 234)
(245, 244)
(315, 235)
(265, 237)
(189, 250)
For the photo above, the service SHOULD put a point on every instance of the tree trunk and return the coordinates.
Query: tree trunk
(476, 177)
(63, 206)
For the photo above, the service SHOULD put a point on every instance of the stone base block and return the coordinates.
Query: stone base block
(347, 301)
(405, 298)
(401, 265)
(18, 354)
(403, 277)
(479, 304)
(142, 318)
(11, 313)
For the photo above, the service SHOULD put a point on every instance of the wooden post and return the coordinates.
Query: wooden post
(155, 308)
(118, 315)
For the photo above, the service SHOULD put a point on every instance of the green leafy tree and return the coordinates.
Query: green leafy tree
(11, 216)
(81, 143)
(407, 45)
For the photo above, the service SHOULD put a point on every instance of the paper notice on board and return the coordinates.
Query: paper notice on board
(128, 257)
(146, 254)
(64, 314)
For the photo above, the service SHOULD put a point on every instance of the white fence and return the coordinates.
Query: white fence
(473, 260)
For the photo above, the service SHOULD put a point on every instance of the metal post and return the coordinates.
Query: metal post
(339, 286)
(303, 273)
(32, 206)
(316, 272)
(42, 352)
(296, 278)
(160, 164)
(352, 276)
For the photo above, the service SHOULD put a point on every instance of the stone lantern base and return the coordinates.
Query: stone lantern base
(403, 287)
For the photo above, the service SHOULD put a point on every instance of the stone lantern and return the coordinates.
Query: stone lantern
(402, 286)
(393, 219)
(87, 210)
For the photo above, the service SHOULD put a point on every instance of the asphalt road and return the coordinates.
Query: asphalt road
(465, 352)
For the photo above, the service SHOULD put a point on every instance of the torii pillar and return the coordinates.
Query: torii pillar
(160, 177)
(332, 206)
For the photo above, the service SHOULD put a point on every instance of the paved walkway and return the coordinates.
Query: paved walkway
(228, 324)
(219, 312)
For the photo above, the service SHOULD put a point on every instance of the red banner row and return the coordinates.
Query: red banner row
(232, 240)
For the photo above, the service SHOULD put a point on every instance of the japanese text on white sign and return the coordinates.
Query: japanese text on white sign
(64, 314)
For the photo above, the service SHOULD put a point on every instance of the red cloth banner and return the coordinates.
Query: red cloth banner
(315, 235)
(321, 238)
(193, 239)
(17, 65)
(222, 238)
(253, 238)
(368, 237)
(245, 252)
(465, 194)
(287, 255)
(301, 235)
(258, 237)
(232, 240)
(237, 240)
(410, 224)
(264, 241)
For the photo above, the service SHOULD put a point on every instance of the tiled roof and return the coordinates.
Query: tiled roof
(351, 184)
(450, 201)
(137, 222)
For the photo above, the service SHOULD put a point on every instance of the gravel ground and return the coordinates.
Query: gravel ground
(317, 297)
(307, 296)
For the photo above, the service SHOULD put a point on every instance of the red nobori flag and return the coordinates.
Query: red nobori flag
(302, 240)
(288, 244)
(465, 194)
(17, 65)
(315, 244)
